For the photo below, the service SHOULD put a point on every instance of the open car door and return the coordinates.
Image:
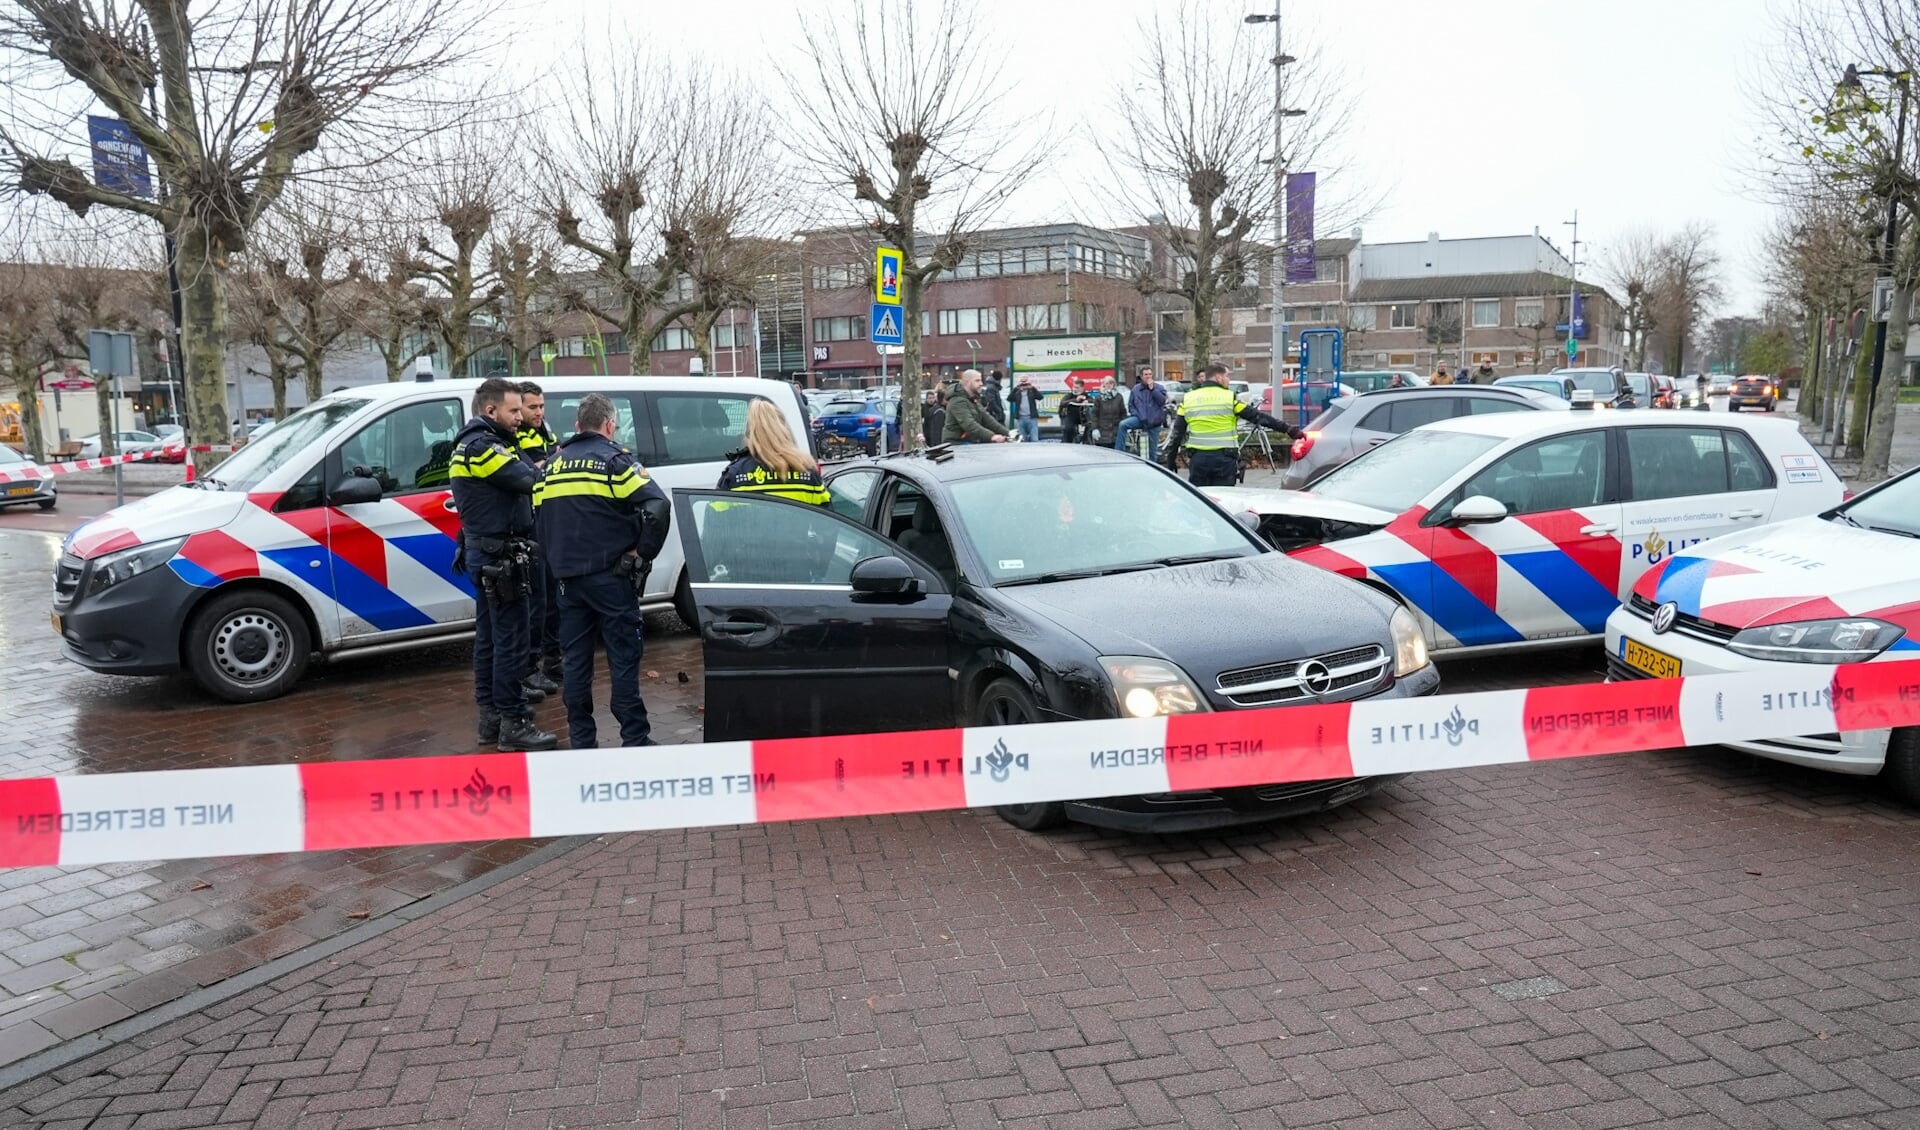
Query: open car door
(811, 624)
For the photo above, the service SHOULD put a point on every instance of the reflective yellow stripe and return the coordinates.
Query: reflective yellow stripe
(819, 496)
(589, 484)
(1210, 413)
(479, 466)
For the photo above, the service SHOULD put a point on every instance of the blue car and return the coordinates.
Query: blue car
(860, 420)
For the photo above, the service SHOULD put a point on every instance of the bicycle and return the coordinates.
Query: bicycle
(835, 448)
(1255, 439)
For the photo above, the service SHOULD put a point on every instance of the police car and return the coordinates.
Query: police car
(1527, 528)
(1784, 604)
(335, 532)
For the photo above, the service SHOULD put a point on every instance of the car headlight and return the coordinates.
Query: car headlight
(1852, 640)
(1149, 688)
(110, 570)
(1409, 644)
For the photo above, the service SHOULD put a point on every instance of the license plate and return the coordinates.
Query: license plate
(1648, 661)
(59, 629)
(21, 491)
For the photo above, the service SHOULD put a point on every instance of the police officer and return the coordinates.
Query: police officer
(1207, 421)
(493, 491)
(772, 462)
(536, 442)
(602, 521)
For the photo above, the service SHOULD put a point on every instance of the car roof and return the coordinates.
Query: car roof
(978, 460)
(1522, 425)
(1429, 390)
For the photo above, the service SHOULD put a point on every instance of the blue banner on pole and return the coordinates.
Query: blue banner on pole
(119, 160)
(1300, 188)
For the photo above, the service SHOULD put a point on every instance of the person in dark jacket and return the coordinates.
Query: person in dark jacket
(990, 396)
(602, 522)
(933, 415)
(493, 491)
(967, 420)
(1146, 408)
(1025, 406)
(536, 442)
(1109, 408)
(1076, 412)
(772, 463)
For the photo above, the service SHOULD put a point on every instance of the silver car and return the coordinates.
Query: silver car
(27, 484)
(1353, 425)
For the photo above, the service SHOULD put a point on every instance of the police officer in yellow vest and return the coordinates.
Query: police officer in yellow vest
(537, 443)
(602, 521)
(1208, 423)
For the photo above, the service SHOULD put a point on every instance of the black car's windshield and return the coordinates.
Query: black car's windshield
(1086, 521)
(1404, 470)
(267, 453)
(1893, 509)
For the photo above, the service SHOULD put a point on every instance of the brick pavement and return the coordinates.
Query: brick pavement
(81, 948)
(1719, 942)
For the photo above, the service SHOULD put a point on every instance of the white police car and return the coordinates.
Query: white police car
(1786, 603)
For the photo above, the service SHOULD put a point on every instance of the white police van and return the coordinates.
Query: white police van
(282, 552)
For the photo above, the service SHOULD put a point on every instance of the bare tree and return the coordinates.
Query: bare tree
(259, 315)
(94, 285)
(1194, 152)
(908, 122)
(470, 189)
(1686, 285)
(233, 104)
(311, 267)
(385, 305)
(1632, 266)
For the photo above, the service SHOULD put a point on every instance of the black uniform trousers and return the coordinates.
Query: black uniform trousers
(1213, 468)
(601, 607)
(500, 644)
(543, 644)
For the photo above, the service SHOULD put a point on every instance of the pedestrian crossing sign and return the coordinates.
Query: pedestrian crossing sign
(886, 325)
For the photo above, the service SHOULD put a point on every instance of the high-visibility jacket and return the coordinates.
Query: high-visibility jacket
(1212, 416)
(492, 486)
(591, 510)
(746, 473)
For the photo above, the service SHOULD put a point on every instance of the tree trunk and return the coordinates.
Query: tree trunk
(703, 341)
(1878, 449)
(277, 377)
(203, 343)
(103, 404)
(912, 387)
(1808, 404)
(30, 426)
(315, 378)
(1862, 374)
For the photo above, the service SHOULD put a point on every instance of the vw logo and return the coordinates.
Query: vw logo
(1663, 617)
(1315, 677)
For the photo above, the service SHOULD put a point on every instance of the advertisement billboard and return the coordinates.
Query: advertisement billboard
(1051, 360)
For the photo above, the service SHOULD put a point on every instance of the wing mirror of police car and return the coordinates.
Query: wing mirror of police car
(884, 576)
(1477, 510)
(354, 489)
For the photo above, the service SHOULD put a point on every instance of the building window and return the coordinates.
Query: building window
(1326, 270)
(840, 329)
(1528, 313)
(1403, 316)
(1091, 260)
(723, 335)
(616, 342)
(1297, 315)
(839, 276)
(971, 320)
(671, 339)
(1486, 311)
(1051, 316)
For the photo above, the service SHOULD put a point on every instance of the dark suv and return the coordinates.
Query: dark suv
(1353, 425)
(1752, 392)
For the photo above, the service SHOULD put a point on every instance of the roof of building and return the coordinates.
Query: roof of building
(1520, 284)
(1327, 248)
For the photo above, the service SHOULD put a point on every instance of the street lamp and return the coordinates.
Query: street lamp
(1281, 59)
(1850, 81)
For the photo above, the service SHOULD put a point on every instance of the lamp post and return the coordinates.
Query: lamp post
(1850, 81)
(1280, 114)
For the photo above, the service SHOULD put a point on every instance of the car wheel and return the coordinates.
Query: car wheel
(247, 646)
(1006, 703)
(47, 503)
(1902, 770)
(683, 605)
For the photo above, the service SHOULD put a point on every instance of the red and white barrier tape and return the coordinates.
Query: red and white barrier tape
(199, 813)
(73, 465)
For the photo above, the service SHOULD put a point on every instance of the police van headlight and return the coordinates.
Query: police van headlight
(1409, 643)
(1852, 640)
(1149, 688)
(124, 565)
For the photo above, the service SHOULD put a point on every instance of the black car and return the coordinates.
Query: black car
(1009, 584)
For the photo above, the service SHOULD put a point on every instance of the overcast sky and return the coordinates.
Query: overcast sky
(1477, 117)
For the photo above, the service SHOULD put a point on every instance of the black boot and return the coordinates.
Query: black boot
(539, 682)
(489, 727)
(522, 734)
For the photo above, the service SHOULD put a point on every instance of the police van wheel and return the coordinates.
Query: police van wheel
(1006, 703)
(247, 646)
(683, 605)
(1902, 770)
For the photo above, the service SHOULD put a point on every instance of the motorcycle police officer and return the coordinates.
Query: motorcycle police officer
(602, 522)
(1208, 422)
(536, 442)
(493, 492)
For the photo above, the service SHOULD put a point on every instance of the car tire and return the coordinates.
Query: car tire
(46, 503)
(247, 646)
(1005, 702)
(1901, 773)
(683, 605)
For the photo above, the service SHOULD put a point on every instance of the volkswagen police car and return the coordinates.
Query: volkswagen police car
(1527, 528)
(1784, 603)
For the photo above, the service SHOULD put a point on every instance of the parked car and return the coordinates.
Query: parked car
(1353, 425)
(1176, 391)
(1530, 528)
(1319, 394)
(1373, 380)
(173, 449)
(27, 483)
(169, 431)
(861, 421)
(1782, 605)
(1608, 386)
(1551, 384)
(125, 443)
(1752, 392)
(1666, 393)
(283, 551)
(1721, 384)
(1033, 583)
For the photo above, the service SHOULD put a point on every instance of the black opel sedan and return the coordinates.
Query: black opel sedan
(1021, 583)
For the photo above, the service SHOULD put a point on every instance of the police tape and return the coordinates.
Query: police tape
(200, 813)
(72, 465)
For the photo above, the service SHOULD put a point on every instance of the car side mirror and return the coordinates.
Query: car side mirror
(354, 489)
(1248, 519)
(885, 576)
(1477, 510)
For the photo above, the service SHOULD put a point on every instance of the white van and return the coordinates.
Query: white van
(262, 572)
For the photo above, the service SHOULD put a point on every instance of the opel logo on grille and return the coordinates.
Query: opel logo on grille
(1663, 617)
(1314, 677)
